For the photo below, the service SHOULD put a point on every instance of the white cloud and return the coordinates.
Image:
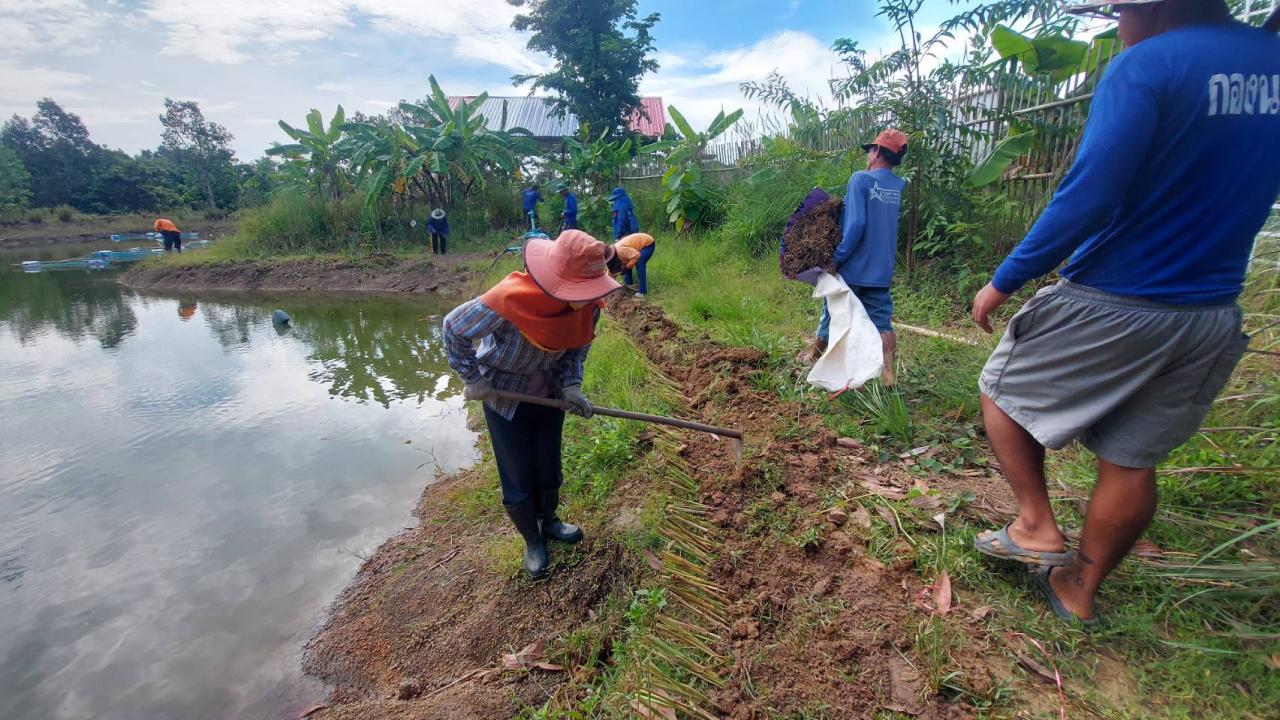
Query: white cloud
(68, 26)
(234, 31)
(700, 90)
(333, 87)
(22, 86)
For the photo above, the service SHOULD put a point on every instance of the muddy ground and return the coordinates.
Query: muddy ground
(450, 275)
(825, 624)
(87, 230)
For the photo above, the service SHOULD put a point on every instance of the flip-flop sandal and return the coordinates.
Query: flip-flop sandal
(1046, 589)
(1007, 549)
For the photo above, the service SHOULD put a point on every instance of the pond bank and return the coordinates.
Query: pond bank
(450, 275)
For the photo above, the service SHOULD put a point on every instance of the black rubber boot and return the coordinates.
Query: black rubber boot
(525, 518)
(553, 528)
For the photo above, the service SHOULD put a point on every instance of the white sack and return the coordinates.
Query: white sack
(854, 354)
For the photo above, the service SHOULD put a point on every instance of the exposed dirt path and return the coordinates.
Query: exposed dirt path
(826, 626)
(449, 275)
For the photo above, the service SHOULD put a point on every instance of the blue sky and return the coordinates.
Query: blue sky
(252, 62)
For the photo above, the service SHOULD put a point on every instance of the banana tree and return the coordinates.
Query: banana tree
(317, 151)
(688, 199)
(595, 164)
(460, 153)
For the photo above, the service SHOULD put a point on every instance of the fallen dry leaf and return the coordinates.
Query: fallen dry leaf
(941, 519)
(647, 709)
(874, 487)
(837, 516)
(530, 658)
(312, 711)
(849, 443)
(1036, 668)
(937, 599)
(905, 687)
(1146, 548)
(653, 560)
(887, 515)
(861, 517)
(980, 612)
(1273, 662)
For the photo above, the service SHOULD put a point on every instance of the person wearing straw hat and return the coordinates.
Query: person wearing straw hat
(535, 329)
(438, 226)
(1177, 171)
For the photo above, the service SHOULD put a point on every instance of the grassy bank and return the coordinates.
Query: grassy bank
(712, 590)
(1192, 623)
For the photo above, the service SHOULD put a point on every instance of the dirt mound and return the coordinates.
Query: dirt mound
(377, 273)
(421, 632)
(814, 237)
(816, 619)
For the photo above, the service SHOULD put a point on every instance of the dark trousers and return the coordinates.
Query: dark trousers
(641, 266)
(439, 243)
(527, 451)
(172, 240)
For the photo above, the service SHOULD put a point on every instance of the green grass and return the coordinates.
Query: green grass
(1185, 641)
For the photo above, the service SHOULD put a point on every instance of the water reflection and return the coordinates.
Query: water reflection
(72, 304)
(180, 494)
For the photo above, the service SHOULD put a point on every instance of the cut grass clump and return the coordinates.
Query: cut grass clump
(813, 238)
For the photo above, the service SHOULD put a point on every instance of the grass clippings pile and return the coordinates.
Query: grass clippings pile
(814, 237)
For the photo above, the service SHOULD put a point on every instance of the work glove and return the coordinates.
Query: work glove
(573, 395)
(480, 390)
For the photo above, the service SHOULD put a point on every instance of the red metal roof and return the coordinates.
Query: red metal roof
(653, 122)
(534, 115)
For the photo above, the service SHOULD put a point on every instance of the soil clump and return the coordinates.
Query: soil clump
(813, 238)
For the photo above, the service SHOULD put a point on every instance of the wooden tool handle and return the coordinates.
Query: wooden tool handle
(624, 414)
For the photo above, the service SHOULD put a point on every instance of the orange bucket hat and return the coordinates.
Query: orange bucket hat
(570, 268)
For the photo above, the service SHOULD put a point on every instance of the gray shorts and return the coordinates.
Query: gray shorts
(1129, 378)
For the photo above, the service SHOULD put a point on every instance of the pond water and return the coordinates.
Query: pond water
(184, 489)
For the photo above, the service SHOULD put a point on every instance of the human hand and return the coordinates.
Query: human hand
(573, 395)
(480, 390)
(987, 301)
(831, 268)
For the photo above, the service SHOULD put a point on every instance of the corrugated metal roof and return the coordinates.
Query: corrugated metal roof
(654, 120)
(535, 115)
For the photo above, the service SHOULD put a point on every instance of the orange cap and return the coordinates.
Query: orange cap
(891, 139)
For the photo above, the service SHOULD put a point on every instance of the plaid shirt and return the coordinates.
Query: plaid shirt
(506, 357)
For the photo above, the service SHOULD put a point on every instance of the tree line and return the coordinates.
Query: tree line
(49, 160)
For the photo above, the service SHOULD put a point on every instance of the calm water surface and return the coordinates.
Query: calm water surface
(184, 490)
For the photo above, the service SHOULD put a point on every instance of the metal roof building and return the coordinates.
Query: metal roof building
(535, 115)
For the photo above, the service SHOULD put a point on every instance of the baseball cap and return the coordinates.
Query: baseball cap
(890, 139)
(1101, 9)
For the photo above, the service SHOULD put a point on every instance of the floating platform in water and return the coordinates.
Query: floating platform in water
(99, 259)
(152, 236)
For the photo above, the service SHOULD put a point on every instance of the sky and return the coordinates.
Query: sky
(250, 63)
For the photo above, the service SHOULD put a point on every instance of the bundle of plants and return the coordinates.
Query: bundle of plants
(812, 235)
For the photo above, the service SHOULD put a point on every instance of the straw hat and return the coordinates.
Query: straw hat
(570, 268)
(437, 214)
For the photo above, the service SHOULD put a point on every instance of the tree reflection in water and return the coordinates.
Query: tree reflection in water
(76, 305)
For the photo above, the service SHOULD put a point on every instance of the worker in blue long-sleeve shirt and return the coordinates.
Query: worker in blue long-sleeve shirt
(1177, 171)
(569, 217)
(438, 228)
(531, 199)
(869, 242)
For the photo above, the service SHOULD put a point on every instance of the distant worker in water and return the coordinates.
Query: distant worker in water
(535, 329)
(438, 227)
(172, 236)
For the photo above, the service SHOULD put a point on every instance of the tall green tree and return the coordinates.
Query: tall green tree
(601, 49)
(55, 148)
(201, 146)
(15, 181)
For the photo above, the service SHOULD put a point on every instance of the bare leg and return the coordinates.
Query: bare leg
(1122, 506)
(1022, 461)
(889, 346)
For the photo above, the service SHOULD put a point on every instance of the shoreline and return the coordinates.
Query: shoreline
(379, 273)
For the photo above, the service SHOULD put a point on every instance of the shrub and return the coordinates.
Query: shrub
(65, 213)
(35, 216)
